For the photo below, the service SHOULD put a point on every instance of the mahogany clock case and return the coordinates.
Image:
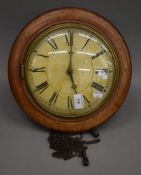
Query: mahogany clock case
(53, 18)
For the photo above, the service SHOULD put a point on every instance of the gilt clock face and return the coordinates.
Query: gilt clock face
(70, 70)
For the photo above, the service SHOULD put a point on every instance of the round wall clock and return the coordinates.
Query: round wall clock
(69, 70)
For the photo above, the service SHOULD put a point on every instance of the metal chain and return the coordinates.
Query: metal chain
(67, 146)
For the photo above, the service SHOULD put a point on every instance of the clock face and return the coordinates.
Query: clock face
(70, 70)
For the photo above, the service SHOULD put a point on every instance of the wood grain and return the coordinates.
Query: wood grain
(50, 19)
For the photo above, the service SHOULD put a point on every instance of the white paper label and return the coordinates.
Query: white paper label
(97, 94)
(78, 101)
(102, 74)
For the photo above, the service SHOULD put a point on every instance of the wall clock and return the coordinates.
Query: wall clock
(69, 70)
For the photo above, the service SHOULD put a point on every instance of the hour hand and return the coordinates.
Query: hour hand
(69, 71)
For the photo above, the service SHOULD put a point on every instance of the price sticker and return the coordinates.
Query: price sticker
(97, 94)
(78, 101)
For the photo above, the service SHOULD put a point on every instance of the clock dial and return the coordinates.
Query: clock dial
(70, 70)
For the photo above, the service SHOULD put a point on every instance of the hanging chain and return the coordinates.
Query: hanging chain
(67, 146)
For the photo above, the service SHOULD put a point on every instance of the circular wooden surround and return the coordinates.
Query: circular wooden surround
(53, 18)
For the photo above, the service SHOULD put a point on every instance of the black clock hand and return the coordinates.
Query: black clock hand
(73, 84)
(70, 71)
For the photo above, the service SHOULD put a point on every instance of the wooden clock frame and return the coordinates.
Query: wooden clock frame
(53, 18)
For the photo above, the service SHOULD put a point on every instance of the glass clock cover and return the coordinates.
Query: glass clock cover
(70, 70)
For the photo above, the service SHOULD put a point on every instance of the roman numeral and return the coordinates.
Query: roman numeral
(70, 104)
(98, 54)
(69, 38)
(36, 52)
(41, 87)
(40, 69)
(53, 98)
(86, 99)
(97, 86)
(52, 43)
(86, 43)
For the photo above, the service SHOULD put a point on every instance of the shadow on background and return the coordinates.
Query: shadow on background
(11, 112)
(128, 114)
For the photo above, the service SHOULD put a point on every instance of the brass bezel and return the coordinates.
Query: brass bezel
(73, 25)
